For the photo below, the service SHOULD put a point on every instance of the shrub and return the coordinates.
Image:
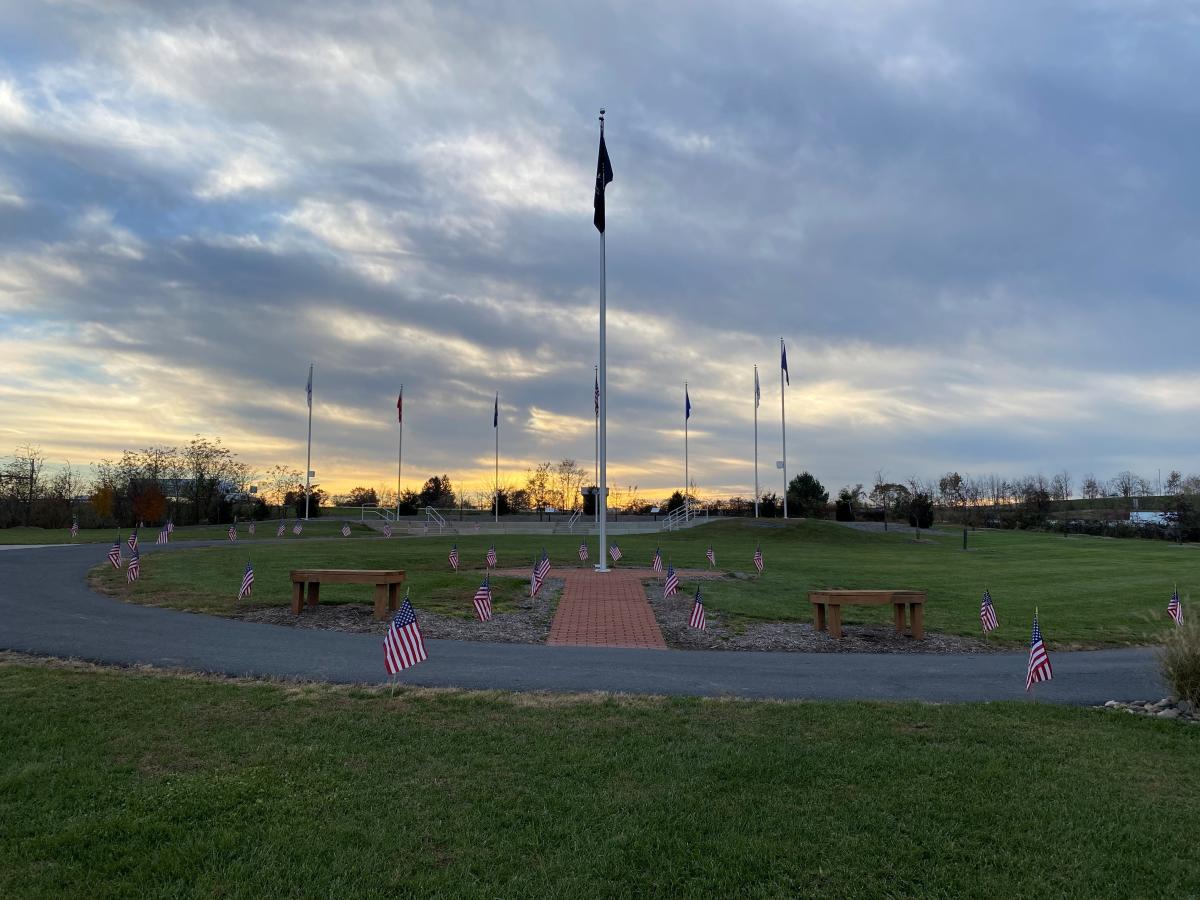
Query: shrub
(1180, 661)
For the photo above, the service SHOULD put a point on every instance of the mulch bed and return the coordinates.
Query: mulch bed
(673, 614)
(529, 625)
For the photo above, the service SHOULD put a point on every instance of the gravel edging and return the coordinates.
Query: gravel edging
(673, 614)
(529, 625)
(1166, 708)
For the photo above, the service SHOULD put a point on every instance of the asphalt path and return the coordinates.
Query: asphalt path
(47, 609)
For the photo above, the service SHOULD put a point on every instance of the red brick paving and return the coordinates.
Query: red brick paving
(607, 610)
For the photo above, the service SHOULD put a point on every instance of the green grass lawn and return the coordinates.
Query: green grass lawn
(1089, 590)
(141, 785)
(312, 528)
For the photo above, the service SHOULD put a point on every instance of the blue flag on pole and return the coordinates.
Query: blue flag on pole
(496, 412)
(687, 404)
(783, 361)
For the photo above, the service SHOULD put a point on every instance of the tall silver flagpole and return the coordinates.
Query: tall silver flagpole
(497, 457)
(596, 477)
(686, 485)
(783, 424)
(400, 453)
(603, 567)
(756, 441)
(308, 459)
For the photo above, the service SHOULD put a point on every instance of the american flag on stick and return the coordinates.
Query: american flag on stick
(697, 619)
(164, 536)
(583, 551)
(250, 528)
(403, 645)
(614, 551)
(297, 528)
(671, 586)
(483, 601)
(170, 526)
(281, 530)
(491, 556)
(247, 582)
(987, 612)
(133, 540)
(710, 556)
(233, 533)
(656, 565)
(758, 560)
(75, 529)
(135, 568)
(453, 557)
(387, 529)
(1039, 662)
(1175, 609)
(346, 530)
(114, 554)
(541, 568)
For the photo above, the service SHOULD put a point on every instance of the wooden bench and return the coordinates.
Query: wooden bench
(387, 586)
(828, 605)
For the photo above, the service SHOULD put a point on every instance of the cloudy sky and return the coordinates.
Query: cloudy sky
(974, 223)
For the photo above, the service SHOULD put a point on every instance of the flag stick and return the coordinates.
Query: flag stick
(400, 451)
(756, 441)
(308, 458)
(603, 371)
(783, 427)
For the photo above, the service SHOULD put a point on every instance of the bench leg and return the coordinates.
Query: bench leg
(819, 616)
(393, 597)
(898, 615)
(297, 597)
(918, 620)
(381, 599)
(835, 620)
(314, 593)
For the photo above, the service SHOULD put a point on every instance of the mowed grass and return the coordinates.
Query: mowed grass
(119, 784)
(1090, 591)
(267, 529)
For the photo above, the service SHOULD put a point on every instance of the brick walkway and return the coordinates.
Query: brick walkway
(604, 611)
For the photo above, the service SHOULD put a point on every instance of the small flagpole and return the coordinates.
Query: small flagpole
(308, 458)
(400, 455)
(756, 441)
(783, 426)
(497, 457)
(685, 450)
(603, 372)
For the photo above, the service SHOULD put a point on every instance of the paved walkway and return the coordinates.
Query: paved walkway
(607, 610)
(46, 608)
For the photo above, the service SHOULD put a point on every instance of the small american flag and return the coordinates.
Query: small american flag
(656, 565)
(453, 557)
(297, 528)
(697, 619)
(247, 582)
(491, 556)
(387, 529)
(251, 528)
(758, 560)
(483, 601)
(614, 551)
(987, 612)
(164, 536)
(281, 530)
(233, 533)
(74, 529)
(170, 526)
(346, 531)
(1039, 662)
(671, 587)
(135, 568)
(402, 645)
(710, 556)
(1175, 609)
(133, 540)
(541, 568)
(114, 554)
(583, 553)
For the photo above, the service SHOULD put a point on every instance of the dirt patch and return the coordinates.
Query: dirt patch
(673, 614)
(529, 624)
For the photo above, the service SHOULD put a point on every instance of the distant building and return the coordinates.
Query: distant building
(1138, 517)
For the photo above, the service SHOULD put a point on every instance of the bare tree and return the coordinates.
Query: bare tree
(1174, 482)
(1090, 487)
(1060, 486)
(1124, 484)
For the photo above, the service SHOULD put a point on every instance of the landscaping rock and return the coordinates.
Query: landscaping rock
(1170, 713)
